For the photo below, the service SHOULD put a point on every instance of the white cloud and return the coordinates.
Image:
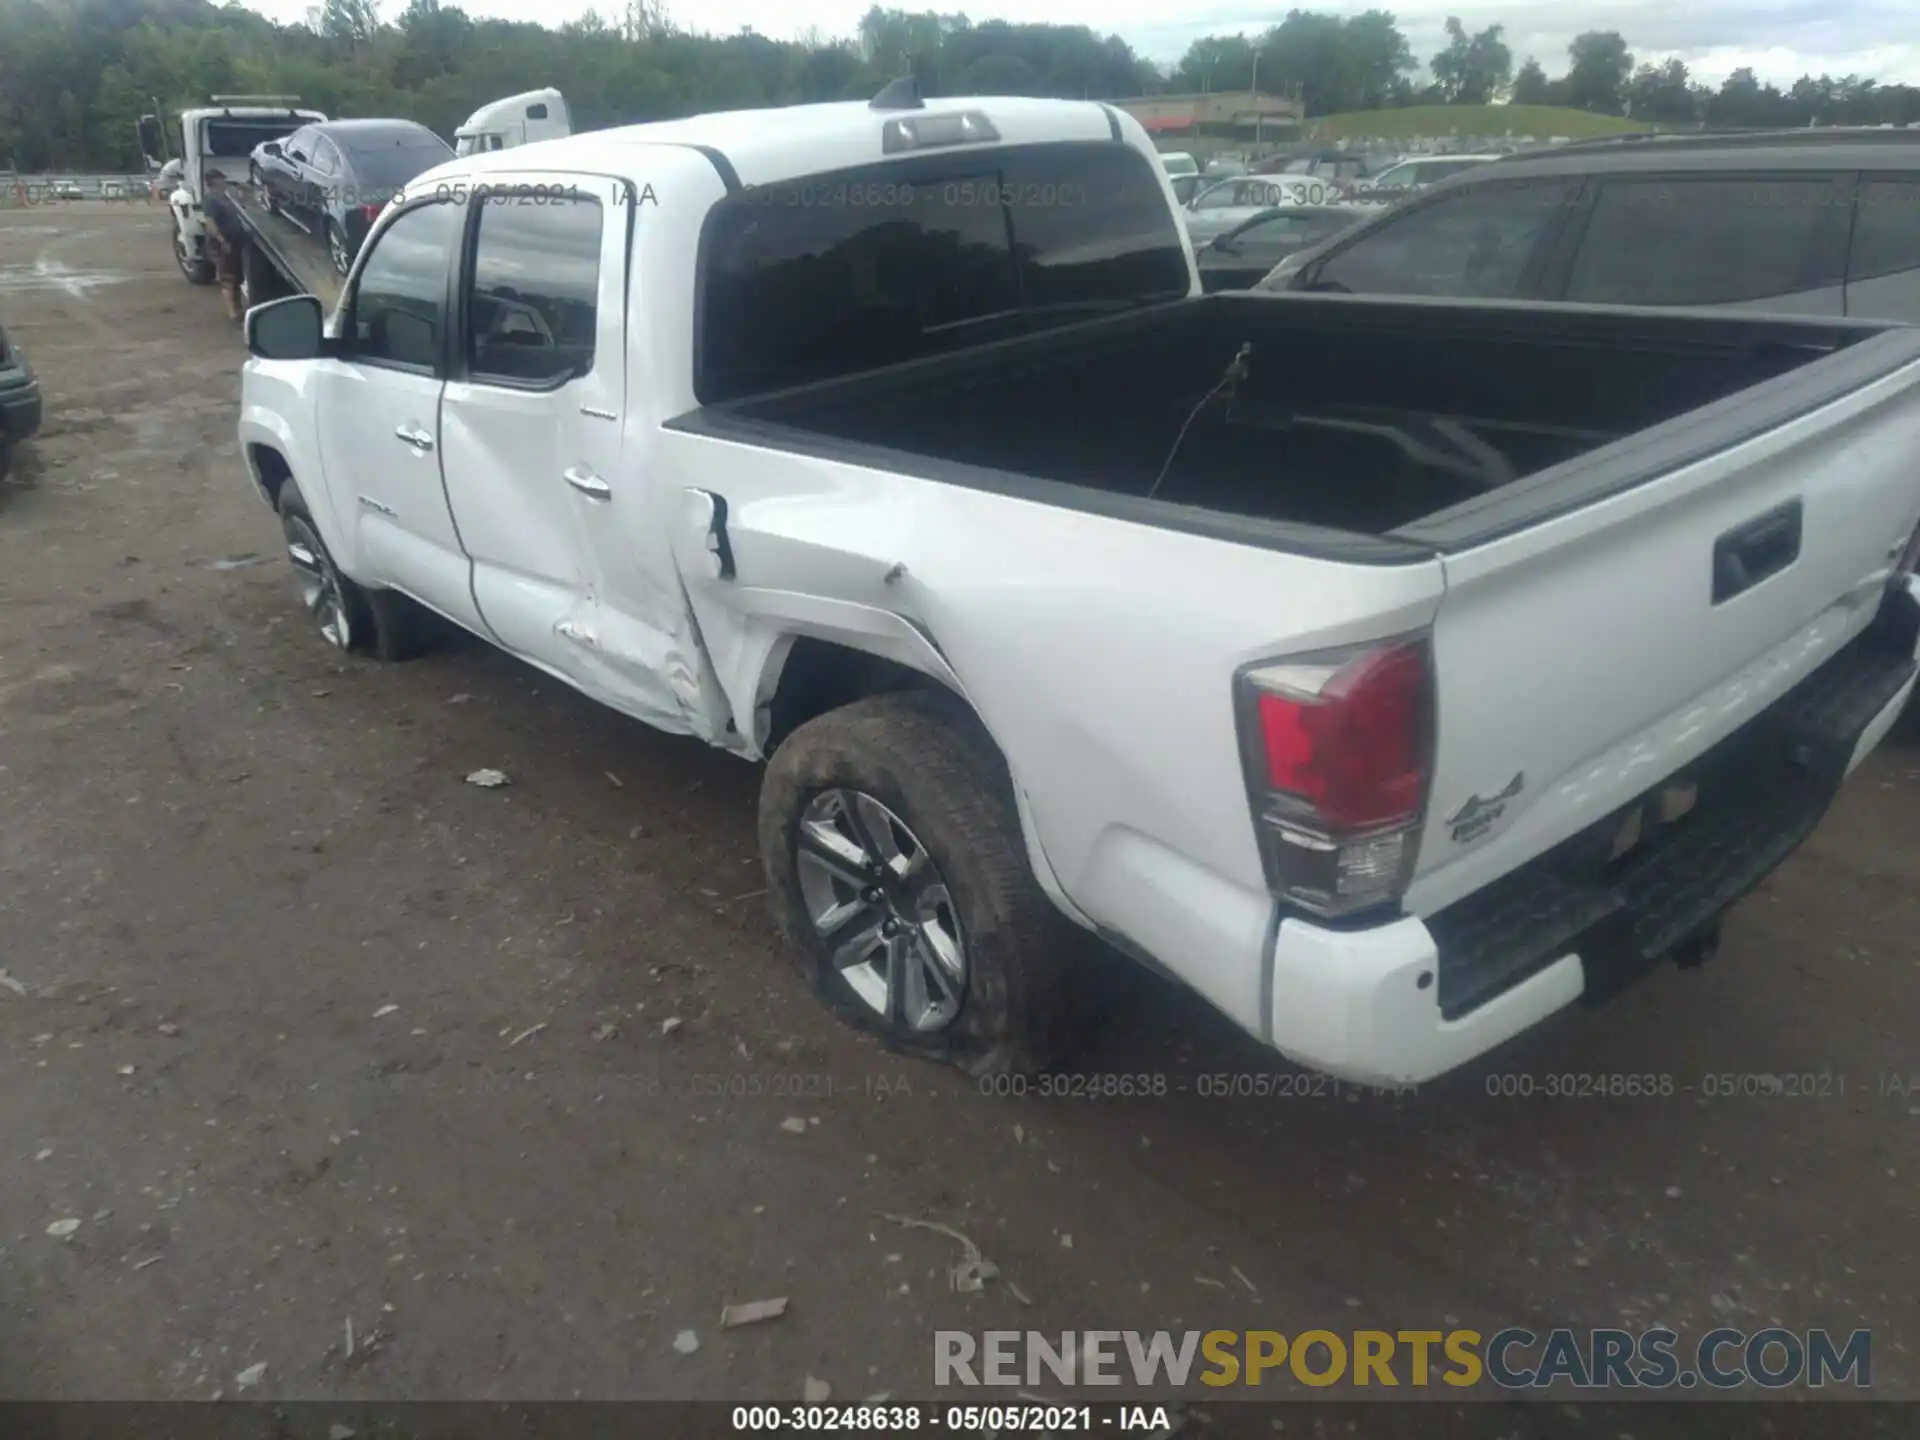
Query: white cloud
(1780, 39)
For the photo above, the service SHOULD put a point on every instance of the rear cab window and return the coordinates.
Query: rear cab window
(392, 160)
(835, 273)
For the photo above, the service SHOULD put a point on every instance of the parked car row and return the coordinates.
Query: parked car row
(1226, 204)
(1241, 257)
(1237, 219)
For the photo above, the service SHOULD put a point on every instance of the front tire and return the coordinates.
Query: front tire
(198, 272)
(898, 874)
(349, 616)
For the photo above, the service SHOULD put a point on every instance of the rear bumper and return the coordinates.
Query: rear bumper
(1411, 999)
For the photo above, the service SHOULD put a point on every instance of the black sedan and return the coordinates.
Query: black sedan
(1242, 257)
(332, 179)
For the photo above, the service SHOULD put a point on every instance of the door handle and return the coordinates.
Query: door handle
(588, 483)
(1755, 551)
(419, 439)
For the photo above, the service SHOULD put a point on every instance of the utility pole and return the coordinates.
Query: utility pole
(1256, 103)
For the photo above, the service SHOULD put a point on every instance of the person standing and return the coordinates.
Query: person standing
(226, 240)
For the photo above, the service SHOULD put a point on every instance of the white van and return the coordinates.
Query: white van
(516, 120)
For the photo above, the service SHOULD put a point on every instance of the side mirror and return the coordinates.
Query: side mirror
(289, 329)
(150, 142)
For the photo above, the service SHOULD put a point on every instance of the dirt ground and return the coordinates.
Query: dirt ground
(308, 1034)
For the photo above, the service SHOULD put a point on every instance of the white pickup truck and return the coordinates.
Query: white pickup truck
(1393, 673)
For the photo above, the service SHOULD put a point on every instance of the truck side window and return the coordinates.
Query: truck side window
(1473, 244)
(399, 305)
(532, 305)
(1886, 229)
(1699, 241)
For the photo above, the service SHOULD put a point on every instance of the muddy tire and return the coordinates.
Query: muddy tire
(898, 876)
(350, 616)
(198, 272)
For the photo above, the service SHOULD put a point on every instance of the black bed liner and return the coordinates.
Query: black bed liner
(1560, 404)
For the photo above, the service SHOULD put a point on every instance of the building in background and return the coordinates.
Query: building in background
(1239, 120)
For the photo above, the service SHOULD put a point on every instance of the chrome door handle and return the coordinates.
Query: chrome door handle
(419, 439)
(588, 483)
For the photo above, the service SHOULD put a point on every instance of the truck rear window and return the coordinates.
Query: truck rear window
(845, 271)
(228, 138)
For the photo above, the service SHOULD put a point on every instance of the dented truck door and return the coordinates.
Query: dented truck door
(538, 465)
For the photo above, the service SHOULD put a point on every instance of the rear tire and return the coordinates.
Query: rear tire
(380, 623)
(897, 811)
(259, 281)
(6, 454)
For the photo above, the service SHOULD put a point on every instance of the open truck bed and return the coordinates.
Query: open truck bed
(1358, 423)
(283, 259)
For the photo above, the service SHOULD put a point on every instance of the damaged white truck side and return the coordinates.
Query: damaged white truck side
(1394, 673)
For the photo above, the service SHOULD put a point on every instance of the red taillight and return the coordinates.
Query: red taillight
(1354, 752)
(1338, 748)
(371, 213)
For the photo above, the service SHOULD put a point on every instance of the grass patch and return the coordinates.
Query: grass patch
(1492, 121)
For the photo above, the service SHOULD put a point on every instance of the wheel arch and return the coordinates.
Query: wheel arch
(806, 675)
(270, 471)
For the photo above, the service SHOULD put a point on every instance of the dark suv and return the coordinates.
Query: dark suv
(1809, 222)
(19, 401)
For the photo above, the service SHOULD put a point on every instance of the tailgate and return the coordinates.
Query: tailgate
(1582, 660)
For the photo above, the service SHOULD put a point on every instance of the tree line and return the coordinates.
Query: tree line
(76, 74)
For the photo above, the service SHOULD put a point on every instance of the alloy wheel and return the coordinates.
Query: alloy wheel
(318, 582)
(881, 906)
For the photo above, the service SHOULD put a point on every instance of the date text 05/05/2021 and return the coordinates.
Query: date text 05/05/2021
(1019, 1418)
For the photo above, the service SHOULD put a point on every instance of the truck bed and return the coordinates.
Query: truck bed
(302, 261)
(1379, 418)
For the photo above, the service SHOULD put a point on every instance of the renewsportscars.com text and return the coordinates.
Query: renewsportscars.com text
(1511, 1359)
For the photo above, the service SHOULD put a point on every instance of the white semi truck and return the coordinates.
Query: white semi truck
(515, 121)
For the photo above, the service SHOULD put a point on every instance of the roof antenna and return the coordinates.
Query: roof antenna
(902, 93)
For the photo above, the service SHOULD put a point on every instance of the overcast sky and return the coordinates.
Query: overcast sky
(1780, 39)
